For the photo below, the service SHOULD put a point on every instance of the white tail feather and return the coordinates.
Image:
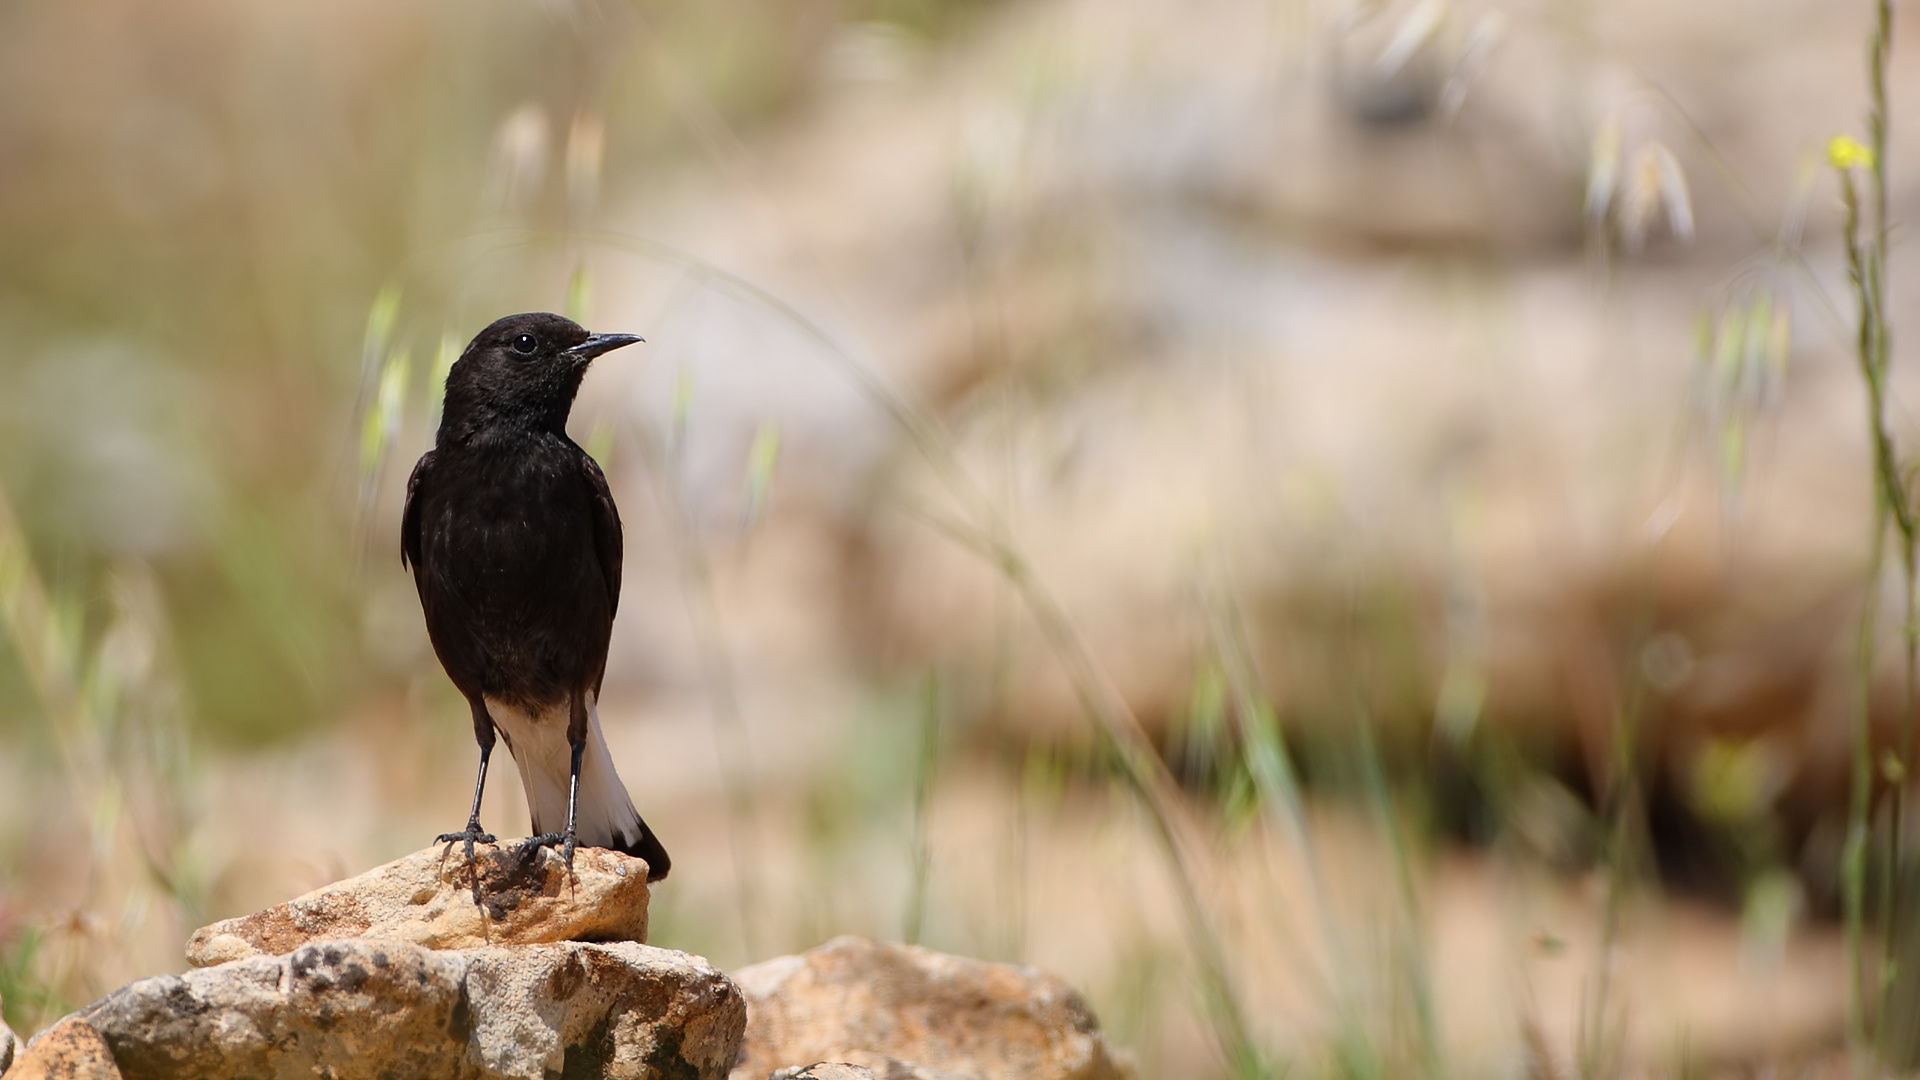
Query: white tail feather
(538, 742)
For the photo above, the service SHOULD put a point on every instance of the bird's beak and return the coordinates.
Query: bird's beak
(600, 343)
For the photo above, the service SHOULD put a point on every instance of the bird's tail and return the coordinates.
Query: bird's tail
(605, 817)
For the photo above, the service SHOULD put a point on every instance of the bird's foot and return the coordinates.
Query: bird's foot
(567, 841)
(472, 835)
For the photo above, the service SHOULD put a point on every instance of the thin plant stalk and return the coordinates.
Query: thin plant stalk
(1598, 1048)
(1892, 507)
(1268, 763)
(1866, 270)
(1874, 299)
(1853, 854)
(1418, 978)
(923, 809)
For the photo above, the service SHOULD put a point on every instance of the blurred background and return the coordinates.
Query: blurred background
(1339, 527)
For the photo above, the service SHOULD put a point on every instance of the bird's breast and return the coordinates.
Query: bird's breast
(513, 532)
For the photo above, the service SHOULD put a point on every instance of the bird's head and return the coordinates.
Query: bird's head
(521, 372)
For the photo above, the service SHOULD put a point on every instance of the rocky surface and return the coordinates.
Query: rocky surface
(69, 1050)
(889, 1008)
(426, 898)
(362, 1008)
(388, 1004)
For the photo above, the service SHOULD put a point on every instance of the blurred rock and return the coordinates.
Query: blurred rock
(69, 1050)
(864, 1002)
(837, 1070)
(357, 1008)
(426, 898)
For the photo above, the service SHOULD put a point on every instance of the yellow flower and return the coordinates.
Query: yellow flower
(1846, 152)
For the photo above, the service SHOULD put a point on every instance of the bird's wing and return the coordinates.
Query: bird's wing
(410, 517)
(606, 529)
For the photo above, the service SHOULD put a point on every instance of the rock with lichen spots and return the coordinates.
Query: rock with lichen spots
(426, 898)
(365, 1008)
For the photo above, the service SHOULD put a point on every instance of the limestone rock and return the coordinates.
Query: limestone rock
(69, 1050)
(426, 898)
(365, 1008)
(863, 1002)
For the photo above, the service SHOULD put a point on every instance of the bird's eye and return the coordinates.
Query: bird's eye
(525, 344)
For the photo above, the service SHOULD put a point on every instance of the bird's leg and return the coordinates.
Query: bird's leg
(482, 731)
(573, 802)
(577, 741)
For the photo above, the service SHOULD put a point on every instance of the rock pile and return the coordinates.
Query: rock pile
(397, 974)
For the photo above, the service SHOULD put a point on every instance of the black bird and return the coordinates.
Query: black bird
(514, 543)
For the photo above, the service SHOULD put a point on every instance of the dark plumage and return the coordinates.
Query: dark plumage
(514, 543)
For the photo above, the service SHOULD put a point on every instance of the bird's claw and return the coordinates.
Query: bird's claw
(472, 835)
(568, 842)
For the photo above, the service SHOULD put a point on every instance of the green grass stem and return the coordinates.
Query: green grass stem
(926, 766)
